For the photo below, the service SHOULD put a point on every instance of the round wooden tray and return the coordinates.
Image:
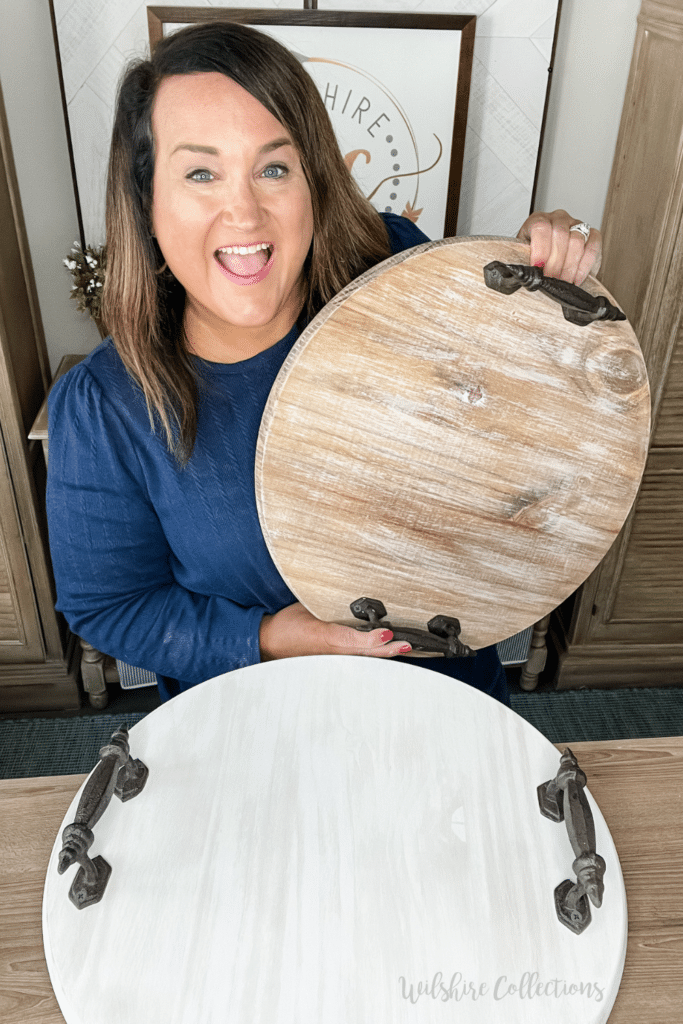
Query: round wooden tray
(318, 840)
(447, 449)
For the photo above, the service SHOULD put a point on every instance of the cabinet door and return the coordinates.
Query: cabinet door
(649, 591)
(626, 626)
(20, 633)
(640, 598)
(635, 597)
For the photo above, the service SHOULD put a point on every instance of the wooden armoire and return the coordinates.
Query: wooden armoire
(625, 625)
(35, 655)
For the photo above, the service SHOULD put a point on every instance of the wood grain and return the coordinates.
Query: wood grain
(667, 433)
(639, 786)
(637, 781)
(447, 449)
(31, 811)
(651, 582)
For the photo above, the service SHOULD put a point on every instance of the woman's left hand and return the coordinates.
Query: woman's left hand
(561, 253)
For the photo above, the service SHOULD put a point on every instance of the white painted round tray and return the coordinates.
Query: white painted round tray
(334, 840)
(449, 450)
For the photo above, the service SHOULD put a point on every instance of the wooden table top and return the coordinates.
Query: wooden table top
(638, 785)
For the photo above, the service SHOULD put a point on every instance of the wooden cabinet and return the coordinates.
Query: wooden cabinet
(625, 627)
(35, 671)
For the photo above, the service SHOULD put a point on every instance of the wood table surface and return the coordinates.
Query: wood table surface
(637, 783)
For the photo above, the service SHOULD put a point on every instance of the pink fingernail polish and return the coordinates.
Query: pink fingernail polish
(405, 649)
(386, 635)
(540, 263)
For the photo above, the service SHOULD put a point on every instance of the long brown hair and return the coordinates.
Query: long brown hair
(143, 303)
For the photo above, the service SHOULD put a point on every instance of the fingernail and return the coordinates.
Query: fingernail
(540, 263)
(386, 635)
(405, 649)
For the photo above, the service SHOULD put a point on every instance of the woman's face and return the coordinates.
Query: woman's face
(232, 214)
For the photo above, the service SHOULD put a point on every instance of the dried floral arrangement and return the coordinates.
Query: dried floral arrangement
(87, 268)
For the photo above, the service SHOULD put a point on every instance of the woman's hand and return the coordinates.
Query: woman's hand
(562, 253)
(293, 632)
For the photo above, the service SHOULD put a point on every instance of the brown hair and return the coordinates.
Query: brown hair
(143, 303)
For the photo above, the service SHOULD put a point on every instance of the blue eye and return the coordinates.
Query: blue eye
(274, 171)
(200, 175)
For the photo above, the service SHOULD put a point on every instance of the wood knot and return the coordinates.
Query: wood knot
(618, 371)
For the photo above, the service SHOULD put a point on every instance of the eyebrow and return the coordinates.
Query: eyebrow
(212, 151)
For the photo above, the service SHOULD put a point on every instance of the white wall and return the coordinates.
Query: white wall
(30, 86)
(594, 48)
(591, 68)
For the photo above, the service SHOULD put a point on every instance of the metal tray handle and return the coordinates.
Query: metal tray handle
(563, 798)
(442, 635)
(579, 306)
(116, 772)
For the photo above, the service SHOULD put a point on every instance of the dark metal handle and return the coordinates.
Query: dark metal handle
(440, 637)
(578, 306)
(116, 772)
(563, 798)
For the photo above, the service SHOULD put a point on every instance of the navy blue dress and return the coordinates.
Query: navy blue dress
(165, 567)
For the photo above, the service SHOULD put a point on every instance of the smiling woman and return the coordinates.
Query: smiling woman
(144, 300)
(235, 229)
(232, 219)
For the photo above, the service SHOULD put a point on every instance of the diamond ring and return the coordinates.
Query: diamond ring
(583, 229)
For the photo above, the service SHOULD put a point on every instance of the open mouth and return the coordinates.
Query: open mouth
(246, 261)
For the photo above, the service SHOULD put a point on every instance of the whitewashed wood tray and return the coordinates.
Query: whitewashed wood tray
(334, 840)
(449, 450)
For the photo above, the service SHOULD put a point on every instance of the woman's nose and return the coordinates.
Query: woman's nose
(241, 205)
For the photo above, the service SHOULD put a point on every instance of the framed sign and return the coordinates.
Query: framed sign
(396, 87)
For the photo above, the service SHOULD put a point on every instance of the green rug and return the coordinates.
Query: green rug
(31, 747)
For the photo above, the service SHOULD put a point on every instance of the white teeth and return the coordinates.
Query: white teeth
(243, 250)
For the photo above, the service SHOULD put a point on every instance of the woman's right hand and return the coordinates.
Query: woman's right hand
(561, 252)
(293, 632)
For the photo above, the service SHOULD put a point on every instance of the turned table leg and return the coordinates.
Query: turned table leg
(538, 653)
(92, 673)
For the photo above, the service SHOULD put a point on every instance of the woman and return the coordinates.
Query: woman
(231, 220)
